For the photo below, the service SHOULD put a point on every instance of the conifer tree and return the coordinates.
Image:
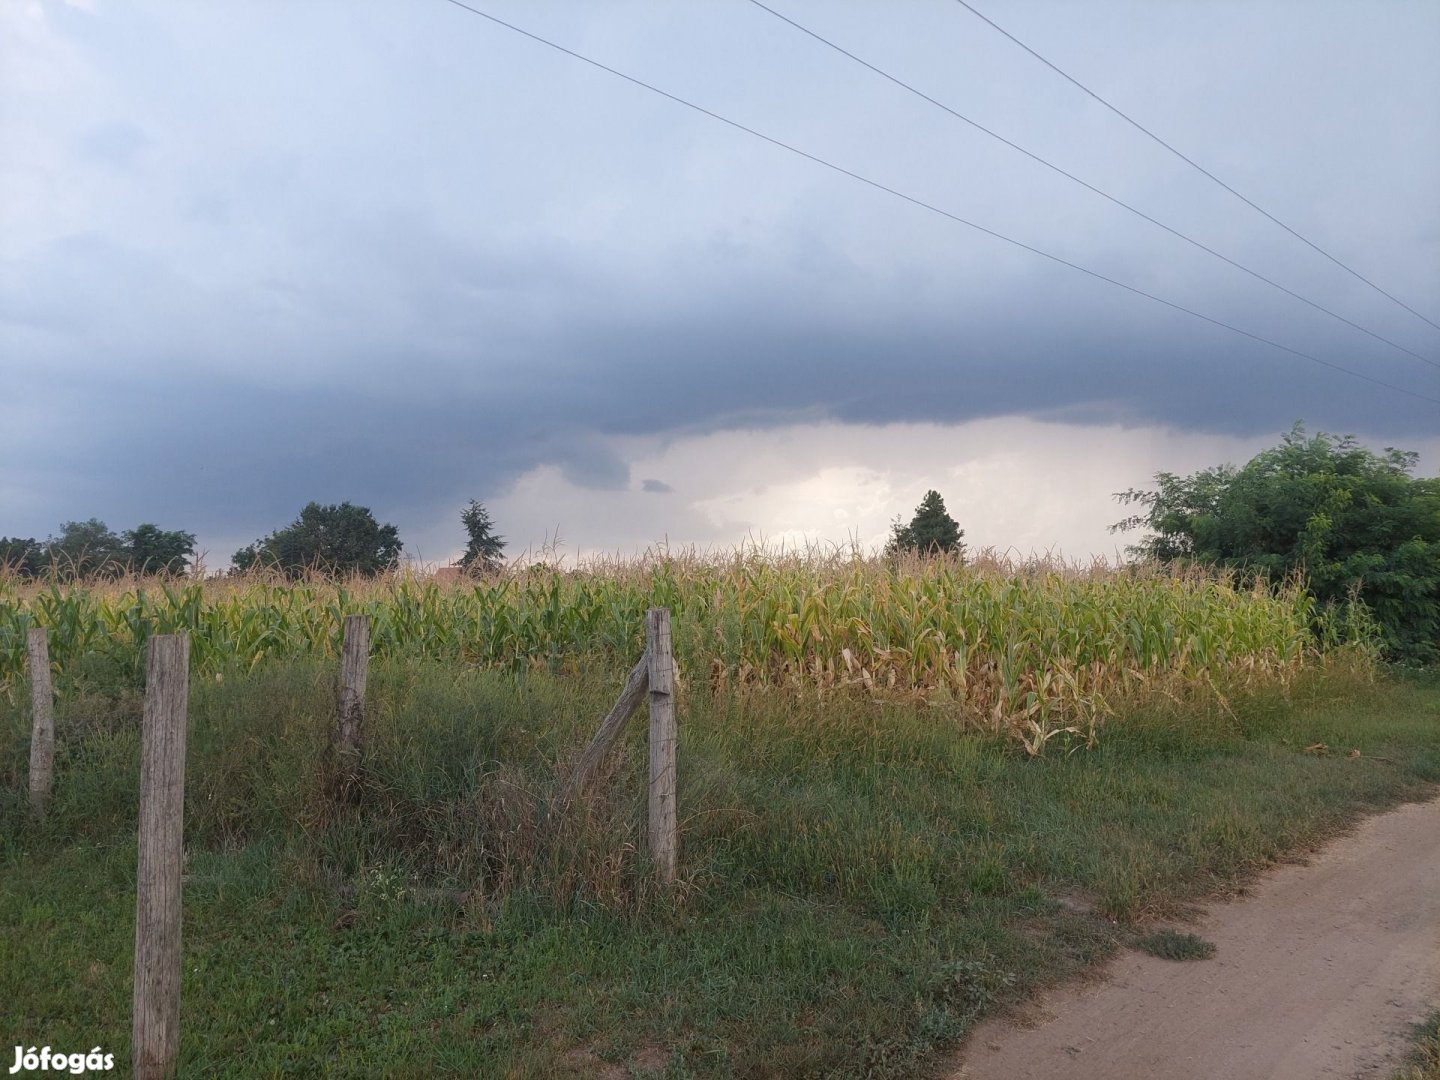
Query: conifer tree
(931, 530)
(482, 553)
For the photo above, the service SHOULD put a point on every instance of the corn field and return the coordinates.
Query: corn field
(1032, 649)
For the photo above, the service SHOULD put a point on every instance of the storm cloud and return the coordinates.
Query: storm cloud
(399, 255)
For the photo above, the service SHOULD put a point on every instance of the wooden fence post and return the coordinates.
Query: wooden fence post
(354, 667)
(42, 731)
(663, 828)
(610, 728)
(162, 855)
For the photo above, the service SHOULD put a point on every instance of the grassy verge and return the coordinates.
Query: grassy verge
(1424, 1063)
(862, 880)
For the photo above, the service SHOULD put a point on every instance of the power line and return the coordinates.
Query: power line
(1194, 165)
(1091, 187)
(928, 206)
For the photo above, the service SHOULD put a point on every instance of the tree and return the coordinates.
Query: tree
(1347, 518)
(150, 549)
(85, 548)
(482, 553)
(931, 530)
(89, 548)
(336, 539)
(25, 557)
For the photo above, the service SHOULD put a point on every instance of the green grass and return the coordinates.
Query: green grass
(862, 880)
(1424, 1063)
(1173, 945)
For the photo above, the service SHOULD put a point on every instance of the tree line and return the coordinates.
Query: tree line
(339, 538)
(1358, 526)
(347, 538)
(87, 549)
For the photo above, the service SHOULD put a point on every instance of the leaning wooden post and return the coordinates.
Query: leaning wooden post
(354, 667)
(42, 731)
(663, 839)
(610, 728)
(162, 855)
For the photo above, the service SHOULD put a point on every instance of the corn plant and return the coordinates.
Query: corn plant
(1037, 650)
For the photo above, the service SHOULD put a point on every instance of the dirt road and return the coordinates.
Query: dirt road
(1319, 972)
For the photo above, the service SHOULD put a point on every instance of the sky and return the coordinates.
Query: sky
(392, 253)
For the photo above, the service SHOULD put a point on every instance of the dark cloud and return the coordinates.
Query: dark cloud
(319, 296)
(411, 430)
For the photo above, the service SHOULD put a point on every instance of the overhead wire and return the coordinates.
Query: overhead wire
(877, 185)
(1195, 165)
(1091, 187)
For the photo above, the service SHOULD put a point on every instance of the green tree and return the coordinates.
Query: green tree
(150, 549)
(1349, 519)
(336, 539)
(25, 557)
(931, 530)
(84, 549)
(482, 553)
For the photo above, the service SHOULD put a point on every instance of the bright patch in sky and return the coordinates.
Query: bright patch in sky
(1012, 484)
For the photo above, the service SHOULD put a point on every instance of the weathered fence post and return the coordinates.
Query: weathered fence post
(162, 854)
(663, 840)
(610, 728)
(656, 673)
(354, 667)
(42, 731)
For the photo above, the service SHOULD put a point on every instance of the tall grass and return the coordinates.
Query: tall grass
(1032, 649)
(859, 881)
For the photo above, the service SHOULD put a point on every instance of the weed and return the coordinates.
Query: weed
(1173, 945)
(1424, 1060)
